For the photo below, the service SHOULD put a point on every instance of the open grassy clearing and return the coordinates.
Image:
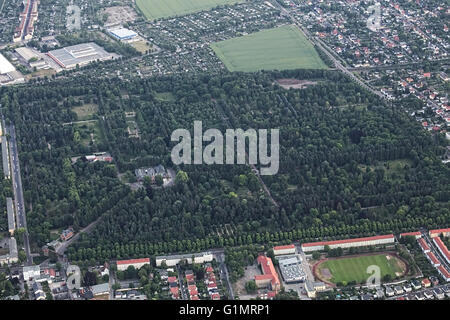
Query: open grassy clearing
(89, 132)
(156, 9)
(280, 48)
(86, 111)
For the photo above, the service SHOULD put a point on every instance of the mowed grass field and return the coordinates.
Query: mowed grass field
(280, 48)
(155, 9)
(355, 268)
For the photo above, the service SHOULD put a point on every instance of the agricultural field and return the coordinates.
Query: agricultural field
(156, 9)
(354, 268)
(280, 48)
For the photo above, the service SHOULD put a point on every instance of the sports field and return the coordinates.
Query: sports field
(280, 48)
(355, 268)
(155, 9)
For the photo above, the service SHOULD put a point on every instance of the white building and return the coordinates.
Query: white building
(136, 263)
(5, 65)
(190, 258)
(31, 272)
(348, 243)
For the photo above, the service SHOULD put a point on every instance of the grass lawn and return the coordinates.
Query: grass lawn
(165, 96)
(89, 131)
(155, 9)
(141, 46)
(354, 268)
(86, 111)
(280, 48)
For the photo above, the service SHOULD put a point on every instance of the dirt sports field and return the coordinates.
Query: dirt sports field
(294, 83)
(354, 268)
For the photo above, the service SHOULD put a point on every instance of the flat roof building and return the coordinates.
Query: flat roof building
(26, 53)
(5, 65)
(291, 269)
(80, 54)
(123, 34)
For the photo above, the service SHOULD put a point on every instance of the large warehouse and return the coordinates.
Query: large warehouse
(123, 34)
(80, 54)
(348, 243)
(5, 65)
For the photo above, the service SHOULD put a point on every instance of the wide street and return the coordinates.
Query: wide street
(18, 191)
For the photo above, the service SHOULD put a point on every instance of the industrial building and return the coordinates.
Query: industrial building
(8, 73)
(123, 34)
(11, 216)
(348, 243)
(280, 250)
(291, 269)
(136, 263)
(26, 53)
(190, 258)
(80, 54)
(5, 65)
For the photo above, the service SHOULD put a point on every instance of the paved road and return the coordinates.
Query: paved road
(18, 191)
(220, 258)
(62, 249)
(181, 284)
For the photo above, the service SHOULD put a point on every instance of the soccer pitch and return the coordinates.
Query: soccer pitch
(355, 268)
(155, 9)
(280, 48)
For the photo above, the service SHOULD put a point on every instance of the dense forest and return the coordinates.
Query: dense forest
(349, 164)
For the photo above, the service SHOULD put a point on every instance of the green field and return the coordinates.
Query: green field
(156, 9)
(274, 49)
(354, 268)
